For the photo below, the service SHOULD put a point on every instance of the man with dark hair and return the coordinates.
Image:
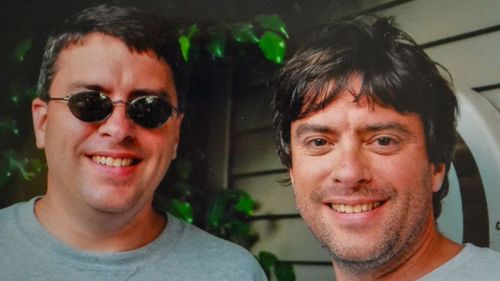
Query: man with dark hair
(108, 116)
(365, 123)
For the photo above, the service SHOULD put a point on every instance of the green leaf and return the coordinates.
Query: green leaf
(272, 22)
(5, 170)
(9, 125)
(180, 209)
(217, 43)
(216, 47)
(22, 49)
(185, 45)
(245, 204)
(284, 271)
(26, 167)
(244, 33)
(185, 40)
(237, 227)
(273, 46)
(215, 212)
(267, 259)
(192, 31)
(29, 168)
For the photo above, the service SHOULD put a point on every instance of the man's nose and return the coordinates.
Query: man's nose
(118, 126)
(351, 167)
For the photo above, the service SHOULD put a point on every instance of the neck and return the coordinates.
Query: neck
(97, 231)
(428, 253)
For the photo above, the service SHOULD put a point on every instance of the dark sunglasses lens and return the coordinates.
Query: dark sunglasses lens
(150, 111)
(90, 106)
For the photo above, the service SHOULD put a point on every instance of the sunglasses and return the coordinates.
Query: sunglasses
(93, 106)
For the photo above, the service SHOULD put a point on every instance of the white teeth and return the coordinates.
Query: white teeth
(354, 209)
(112, 162)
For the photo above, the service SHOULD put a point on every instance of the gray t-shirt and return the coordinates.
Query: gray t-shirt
(471, 264)
(181, 252)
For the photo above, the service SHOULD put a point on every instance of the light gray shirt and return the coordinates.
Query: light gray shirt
(181, 252)
(471, 264)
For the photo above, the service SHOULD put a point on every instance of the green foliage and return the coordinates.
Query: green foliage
(272, 22)
(244, 33)
(221, 37)
(273, 46)
(181, 209)
(11, 165)
(22, 49)
(20, 92)
(217, 43)
(180, 193)
(185, 40)
(17, 164)
(228, 214)
(283, 271)
(8, 125)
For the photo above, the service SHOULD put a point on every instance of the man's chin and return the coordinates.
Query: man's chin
(111, 205)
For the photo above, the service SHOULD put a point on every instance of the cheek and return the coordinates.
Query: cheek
(309, 170)
(161, 148)
(308, 175)
(65, 131)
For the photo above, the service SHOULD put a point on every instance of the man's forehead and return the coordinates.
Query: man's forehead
(90, 62)
(361, 114)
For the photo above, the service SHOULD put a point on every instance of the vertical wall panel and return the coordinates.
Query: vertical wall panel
(273, 197)
(290, 239)
(429, 20)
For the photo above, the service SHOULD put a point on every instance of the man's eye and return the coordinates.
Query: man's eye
(384, 141)
(385, 144)
(318, 142)
(317, 146)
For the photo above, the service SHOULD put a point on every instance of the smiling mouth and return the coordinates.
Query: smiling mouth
(356, 208)
(113, 162)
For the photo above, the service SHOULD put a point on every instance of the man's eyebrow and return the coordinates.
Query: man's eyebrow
(370, 128)
(398, 127)
(87, 86)
(312, 128)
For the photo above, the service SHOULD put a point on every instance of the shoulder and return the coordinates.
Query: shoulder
(481, 255)
(193, 245)
(188, 235)
(472, 263)
(8, 216)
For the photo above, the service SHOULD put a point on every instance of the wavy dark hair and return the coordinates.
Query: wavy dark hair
(139, 30)
(395, 73)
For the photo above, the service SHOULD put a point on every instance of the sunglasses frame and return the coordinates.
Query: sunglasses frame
(128, 105)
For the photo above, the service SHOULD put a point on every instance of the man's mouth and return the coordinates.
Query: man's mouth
(356, 208)
(113, 162)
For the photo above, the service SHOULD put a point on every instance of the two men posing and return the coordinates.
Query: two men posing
(364, 122)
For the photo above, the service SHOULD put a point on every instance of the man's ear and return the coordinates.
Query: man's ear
(39, 114)
(438, 174)
(290, 174)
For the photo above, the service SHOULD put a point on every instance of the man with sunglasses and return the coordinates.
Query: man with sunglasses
(365, 123)
(108, 116)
